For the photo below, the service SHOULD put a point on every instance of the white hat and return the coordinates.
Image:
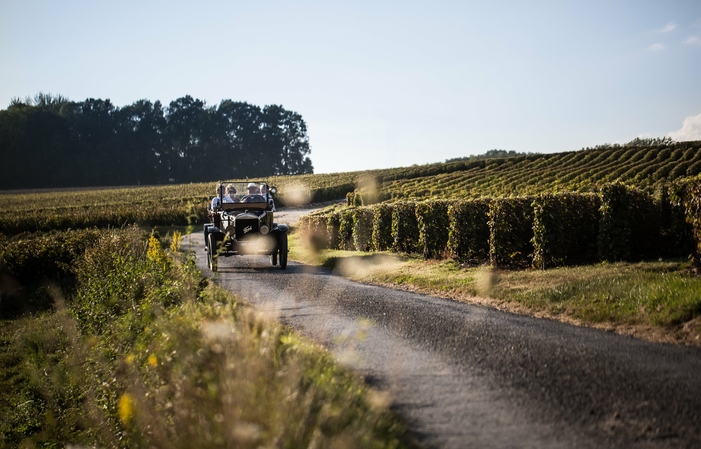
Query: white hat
(251, 184)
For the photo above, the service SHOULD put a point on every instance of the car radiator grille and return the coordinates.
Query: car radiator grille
(246, 227)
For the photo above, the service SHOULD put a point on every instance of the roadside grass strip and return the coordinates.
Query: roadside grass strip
(658, 301)
(145, 352)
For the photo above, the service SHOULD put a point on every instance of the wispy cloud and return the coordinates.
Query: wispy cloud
(693, 40)
(657, 46)
(668, 28)
(690, 130)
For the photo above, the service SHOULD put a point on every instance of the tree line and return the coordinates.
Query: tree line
(50, 141)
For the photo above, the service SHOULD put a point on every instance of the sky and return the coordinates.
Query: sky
(381, 83)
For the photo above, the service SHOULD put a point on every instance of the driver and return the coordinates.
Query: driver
(253, 194)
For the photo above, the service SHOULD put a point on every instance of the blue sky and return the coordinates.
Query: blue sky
(381, 83)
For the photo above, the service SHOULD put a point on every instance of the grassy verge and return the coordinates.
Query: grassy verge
(659, 301)
(145, 353)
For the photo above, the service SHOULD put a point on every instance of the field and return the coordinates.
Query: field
(110, 337)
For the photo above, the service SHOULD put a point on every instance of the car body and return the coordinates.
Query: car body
(242, 224)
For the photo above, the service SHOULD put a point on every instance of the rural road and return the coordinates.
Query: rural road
(469, 376)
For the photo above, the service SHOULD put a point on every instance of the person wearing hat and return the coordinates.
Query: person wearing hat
(252, 188)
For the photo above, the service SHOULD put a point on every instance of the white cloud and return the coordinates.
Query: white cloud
(668, 28)
(690, 130)
(657, 46)
(693, 40)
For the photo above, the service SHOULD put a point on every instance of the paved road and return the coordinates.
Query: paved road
(470, 376)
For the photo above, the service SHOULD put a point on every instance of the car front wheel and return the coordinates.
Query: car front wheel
(212, 252)
(283, 250)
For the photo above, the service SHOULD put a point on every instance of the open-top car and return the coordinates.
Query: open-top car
(241, 223)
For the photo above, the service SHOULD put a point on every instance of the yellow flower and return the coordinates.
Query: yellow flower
(129, 359)
(177, 240)
(126, 408)
(153, 360)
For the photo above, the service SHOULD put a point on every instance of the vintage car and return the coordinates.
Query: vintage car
(241, 223)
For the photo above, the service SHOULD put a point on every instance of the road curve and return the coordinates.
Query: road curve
(471, 376)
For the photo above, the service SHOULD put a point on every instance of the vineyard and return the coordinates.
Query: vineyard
(619, 223)
(644, 166)
(648, 167)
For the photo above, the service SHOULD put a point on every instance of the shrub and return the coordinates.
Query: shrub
(405, 229)
(687, 193)
(565, 229)
(362, 228)
(630, 224)
(382, 227)
(468, 236)
(345, 229)
(333, 227)
(314, 229)
(433, 224)
(510, 231)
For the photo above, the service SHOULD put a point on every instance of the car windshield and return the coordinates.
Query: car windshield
(245, 192)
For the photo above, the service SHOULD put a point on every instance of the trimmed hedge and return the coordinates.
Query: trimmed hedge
(687, 193)
(565, 229)
(382, 227)
(510, 231)
(315, 228)
(405, 228)
(333, 230)
(362, 228)
(433, 224)
(630, 225)
(468, 236)
(345, 229)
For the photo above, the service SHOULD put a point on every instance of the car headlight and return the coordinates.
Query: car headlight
(231, 230)
(264, 229)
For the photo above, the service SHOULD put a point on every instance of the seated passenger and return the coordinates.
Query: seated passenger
(264, 192)
(216, 201)
(230, 192)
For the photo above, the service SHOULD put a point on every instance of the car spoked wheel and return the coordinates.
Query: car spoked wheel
(212, 253)
(283, 250)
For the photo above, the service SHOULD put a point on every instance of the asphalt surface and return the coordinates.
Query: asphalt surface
(470, 376)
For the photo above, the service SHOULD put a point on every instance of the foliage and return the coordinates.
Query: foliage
(405, 227)
(630, 225)
(345, 228)
(173, 362)
(510, 231)
(433, 224)
(94, 143)
(362, 228)
(468, 236)
(565, 229)
(382, 227)
(686, 194)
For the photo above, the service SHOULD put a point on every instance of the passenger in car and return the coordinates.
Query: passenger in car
(264, 192)
(216, 201)
(230, 192)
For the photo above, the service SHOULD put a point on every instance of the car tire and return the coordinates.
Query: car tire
(273, 256)
(206, 232)
(212, 253)
(283, 250)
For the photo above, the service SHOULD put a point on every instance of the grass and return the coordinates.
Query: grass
(653, 300)
(145, 352)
